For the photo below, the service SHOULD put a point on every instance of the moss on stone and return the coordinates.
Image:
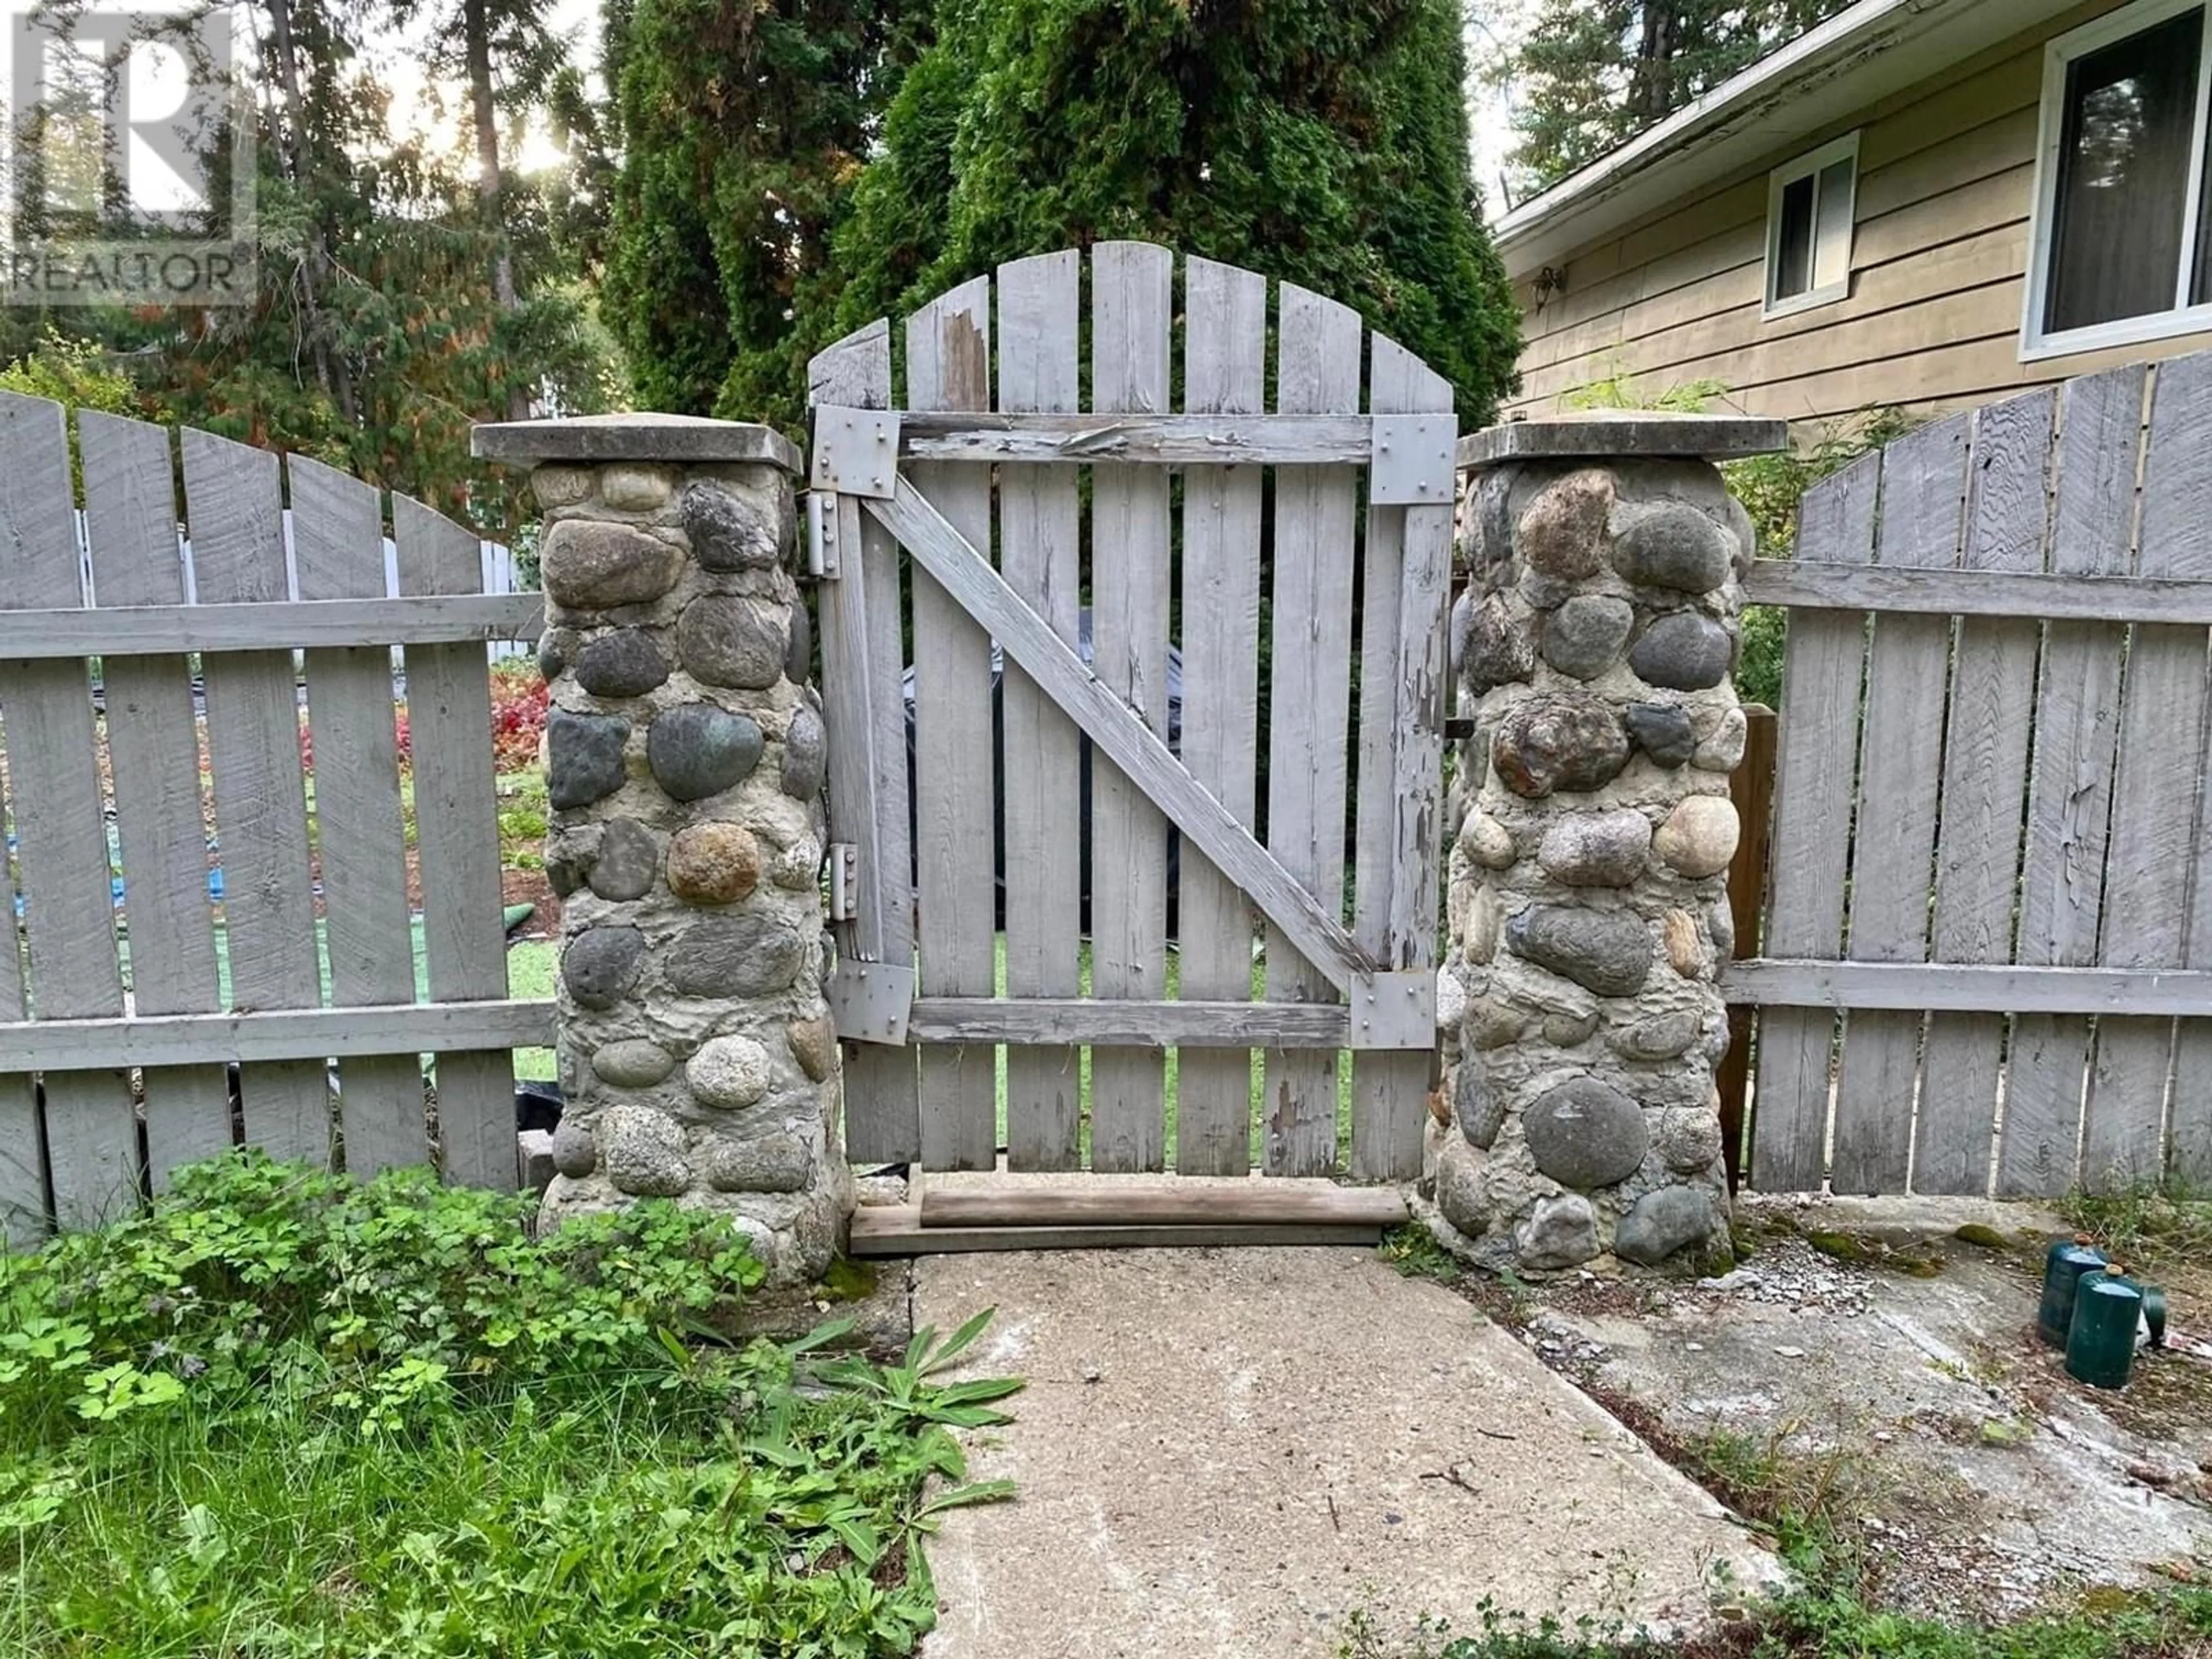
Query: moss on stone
(1846, 1247)
(1982, 1237)
(849, 1281)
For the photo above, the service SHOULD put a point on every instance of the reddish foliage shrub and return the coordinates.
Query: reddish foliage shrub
(518, 719)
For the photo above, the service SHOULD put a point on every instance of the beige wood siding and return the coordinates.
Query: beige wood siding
(1938, 268)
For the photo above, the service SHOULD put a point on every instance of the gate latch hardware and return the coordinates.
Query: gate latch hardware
(844, 881)
(1394, 1011)
(1410, 464)
(869, 1001)
(856, 450)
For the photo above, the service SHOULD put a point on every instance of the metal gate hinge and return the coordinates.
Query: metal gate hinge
(1411, 463)
(1394, 1011)
(856, 450)
(822, 536)
(844, 881)
(869, 1001)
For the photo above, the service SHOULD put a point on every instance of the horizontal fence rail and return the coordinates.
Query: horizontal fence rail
(1807, 585)
(298, 624)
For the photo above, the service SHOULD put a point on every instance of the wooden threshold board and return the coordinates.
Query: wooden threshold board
(1207, 1204)
(897, 1229)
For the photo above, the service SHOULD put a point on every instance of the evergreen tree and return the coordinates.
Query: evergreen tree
(1591, 74)
(742, 125)
(1323, 142)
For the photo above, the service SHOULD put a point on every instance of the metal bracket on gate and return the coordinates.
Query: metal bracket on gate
(1410, 464)
(844, 881)
(822, 536)
(869, 1001)
(856, 450)
(1394, 1011)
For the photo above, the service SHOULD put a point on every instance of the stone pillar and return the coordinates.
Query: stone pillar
(685, 759)
(1587, 911)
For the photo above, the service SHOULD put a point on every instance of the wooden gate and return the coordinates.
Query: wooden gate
(1991, 872)
(147, 682)
(1200, 600)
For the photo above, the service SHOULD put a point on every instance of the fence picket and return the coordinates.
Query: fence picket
(233, 503)
(456, 845)
(337, 537)
(153, 751)
(1131, 315)
(2162, 733)
(1309, 658)
(1401, 674)
(948, 366)
(1040, 555)
(2069, 800)
(1985, 782)
(1224, 372)
(1821, 677)
(61, 840)
(862, 666)
(1924, 488)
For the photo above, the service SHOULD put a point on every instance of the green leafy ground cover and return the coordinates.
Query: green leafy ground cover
(280, 1414)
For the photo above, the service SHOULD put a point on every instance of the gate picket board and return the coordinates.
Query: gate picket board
(260, 794)
(89, 1134)
(1224, 373)
(1310, 644)
(1369, 987)
(2161, 718)
(1984, 783)
(1404, 665)
(155, 762)
(948, 366)
(2071, 791)
(1131, 317)
(2055, 771)
(1040, 555)
(862, 711)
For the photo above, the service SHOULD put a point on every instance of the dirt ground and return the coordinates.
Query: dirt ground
(1866, 1362)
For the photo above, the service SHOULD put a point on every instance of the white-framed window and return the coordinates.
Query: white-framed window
(1810, 204)
(2122, 249)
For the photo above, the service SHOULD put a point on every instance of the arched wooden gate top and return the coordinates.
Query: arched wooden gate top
(1132, 617)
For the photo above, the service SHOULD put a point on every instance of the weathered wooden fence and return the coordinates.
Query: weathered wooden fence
(1989, 922)
(131, 1012)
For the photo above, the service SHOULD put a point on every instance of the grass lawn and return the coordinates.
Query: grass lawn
(281, 1415)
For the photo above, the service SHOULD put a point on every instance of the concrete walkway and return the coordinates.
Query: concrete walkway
(1226, 1452)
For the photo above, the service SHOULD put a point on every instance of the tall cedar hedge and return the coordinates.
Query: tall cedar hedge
(1323, 142)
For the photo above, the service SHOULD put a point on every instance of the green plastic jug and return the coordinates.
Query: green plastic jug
(2063, 1264)
(2100, 1347)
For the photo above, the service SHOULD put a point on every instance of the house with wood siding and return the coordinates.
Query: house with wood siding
(1920, 204)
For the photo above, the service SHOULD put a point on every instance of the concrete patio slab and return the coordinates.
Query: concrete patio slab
(1227, 1452)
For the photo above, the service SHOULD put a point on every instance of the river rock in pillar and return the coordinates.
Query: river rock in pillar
(1563, 741)
(1674, 545)
(1585, 1133)
(1583, 638)
(1663, 1221)
(1596, 849)
(1562, 533)
(1683, 651)
(1607, 951)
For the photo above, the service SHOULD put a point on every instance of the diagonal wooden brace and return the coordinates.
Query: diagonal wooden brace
(1120, 734)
